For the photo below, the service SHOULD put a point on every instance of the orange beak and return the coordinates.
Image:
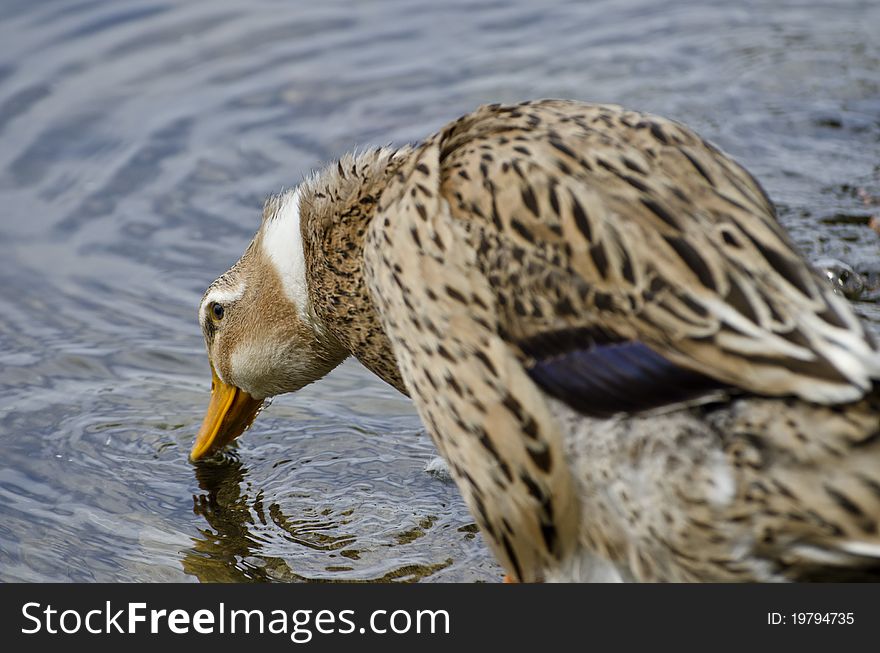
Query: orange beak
(229, 414)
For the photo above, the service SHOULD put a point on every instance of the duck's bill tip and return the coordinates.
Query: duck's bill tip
(230, 412)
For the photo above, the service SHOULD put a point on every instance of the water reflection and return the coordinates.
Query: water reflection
(219, 550)
(138, 143)
(230, 550)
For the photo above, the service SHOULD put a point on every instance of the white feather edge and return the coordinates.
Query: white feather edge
(220, 295)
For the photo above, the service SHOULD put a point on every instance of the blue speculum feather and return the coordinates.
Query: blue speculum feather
(601, 380)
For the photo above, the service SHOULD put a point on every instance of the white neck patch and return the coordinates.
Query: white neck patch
(282, 243)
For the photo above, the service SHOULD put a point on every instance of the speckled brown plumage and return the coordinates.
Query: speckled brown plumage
(338, 206)
(628, 367)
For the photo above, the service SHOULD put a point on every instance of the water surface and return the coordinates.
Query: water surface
(137, 142)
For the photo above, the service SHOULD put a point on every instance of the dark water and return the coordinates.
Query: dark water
(137, 141)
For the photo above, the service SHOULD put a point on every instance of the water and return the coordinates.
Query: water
(137, 141)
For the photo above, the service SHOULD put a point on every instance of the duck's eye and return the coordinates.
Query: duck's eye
(217, 311)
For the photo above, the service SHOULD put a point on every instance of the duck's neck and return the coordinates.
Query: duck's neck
(337, 206)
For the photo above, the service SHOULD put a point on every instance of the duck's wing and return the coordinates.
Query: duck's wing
(601, 379)
(576, 249)
(625, 245)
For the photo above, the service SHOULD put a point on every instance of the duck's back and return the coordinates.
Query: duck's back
(585, 283)
(629, 227)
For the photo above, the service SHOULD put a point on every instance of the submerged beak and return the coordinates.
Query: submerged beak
(230, 412)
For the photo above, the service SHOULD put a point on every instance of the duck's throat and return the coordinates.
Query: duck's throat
(337, 207)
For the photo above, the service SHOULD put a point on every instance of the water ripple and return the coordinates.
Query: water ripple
(138, 144)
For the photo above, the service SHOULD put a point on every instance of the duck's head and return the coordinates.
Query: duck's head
(262, 336)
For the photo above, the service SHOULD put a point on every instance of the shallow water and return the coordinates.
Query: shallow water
(137, 141)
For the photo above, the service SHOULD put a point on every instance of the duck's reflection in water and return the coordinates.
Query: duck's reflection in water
(226, 550)
(230, 548)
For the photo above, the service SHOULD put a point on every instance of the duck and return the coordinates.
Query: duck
(631, 371)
